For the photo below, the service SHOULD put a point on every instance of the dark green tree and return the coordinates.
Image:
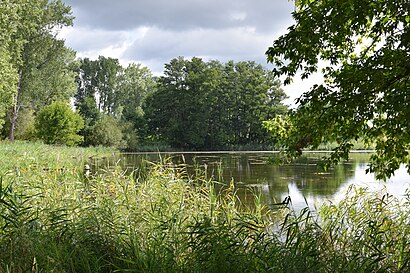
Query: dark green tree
(134, 84)
(106, 79)
(255, 96)
(176, 110)
(58, 124)
(97, 81)
(210, 105)
(85, 97)
(365, 47)
(217, 103)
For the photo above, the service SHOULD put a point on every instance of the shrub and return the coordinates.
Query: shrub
(107, 132)
(57, 123)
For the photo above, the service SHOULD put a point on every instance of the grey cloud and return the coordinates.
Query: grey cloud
(83, 39)
(160, 46)
(153, 32)
(181, 14)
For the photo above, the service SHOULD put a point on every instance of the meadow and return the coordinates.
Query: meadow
(56, 218)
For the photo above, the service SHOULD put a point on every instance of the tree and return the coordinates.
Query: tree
(85, 97)
(51, 76)
(106, 84)
(8, 74)
(11, 23)
(365, 46)
(98, 80)
(41, 61)
(58, 124)
(201, 105)
(178, 111)
(255, 96)
(135, 83)
(8, 81)
(106, 88)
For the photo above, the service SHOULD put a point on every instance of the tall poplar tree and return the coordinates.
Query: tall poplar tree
(109, 95)
(35, 52)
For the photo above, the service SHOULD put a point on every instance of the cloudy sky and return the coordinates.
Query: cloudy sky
(153, 32)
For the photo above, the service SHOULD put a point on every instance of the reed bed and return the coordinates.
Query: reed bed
(54, 218)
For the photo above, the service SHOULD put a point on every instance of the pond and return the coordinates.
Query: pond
(254, 172)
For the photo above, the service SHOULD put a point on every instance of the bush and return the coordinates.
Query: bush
(107, 132)
(58, 124)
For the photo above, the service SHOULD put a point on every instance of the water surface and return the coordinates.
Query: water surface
(302, 180)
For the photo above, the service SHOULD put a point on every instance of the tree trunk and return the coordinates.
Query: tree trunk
(13, 122)
(16, 108)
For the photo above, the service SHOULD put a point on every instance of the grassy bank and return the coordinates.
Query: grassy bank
(25, 156)
(163, 147)
(56, 219)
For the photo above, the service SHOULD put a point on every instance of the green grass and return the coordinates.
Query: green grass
(53, 218)
(24, 156)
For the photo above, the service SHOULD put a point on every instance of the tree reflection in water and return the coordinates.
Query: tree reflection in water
(252, 172)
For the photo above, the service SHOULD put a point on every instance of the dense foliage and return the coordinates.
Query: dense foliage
(108, 92)
(38, 68)
(195, 105)
(213, 105)
(58, 124)
(107, 132)
(365, 49)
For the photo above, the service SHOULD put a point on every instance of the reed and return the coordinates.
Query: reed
(55, 219)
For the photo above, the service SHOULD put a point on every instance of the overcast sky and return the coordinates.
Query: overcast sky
(153, 32)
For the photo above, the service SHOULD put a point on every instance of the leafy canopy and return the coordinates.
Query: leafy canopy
(210, 105)
(366, 93)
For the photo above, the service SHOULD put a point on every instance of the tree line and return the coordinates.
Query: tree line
(193, 105)
(209, 104)
(48, 94)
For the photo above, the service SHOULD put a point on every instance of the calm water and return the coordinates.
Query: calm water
(302, 180)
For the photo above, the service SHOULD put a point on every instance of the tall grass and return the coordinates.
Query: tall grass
(55, 219)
